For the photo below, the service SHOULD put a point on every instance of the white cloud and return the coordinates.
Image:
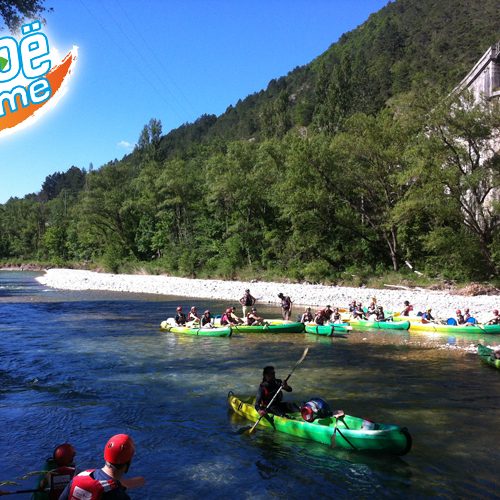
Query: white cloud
(125, 145)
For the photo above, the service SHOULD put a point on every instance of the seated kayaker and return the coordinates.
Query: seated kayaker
(407, 309)
(224, 319)
(253, 318)
(206, 319)
(358, 313)
(495, 354)
(229, 318)
(372, 307)
(269, 386)
(193, 315)
(352, 306)
(233, 318)
(427, 316)
(379, 314)
(319, 317)
(180, 317)
(335, 317)
(307, 316)
(60, 476)
(495, 320)
(467, 317)
(327, 312)
(460, 317)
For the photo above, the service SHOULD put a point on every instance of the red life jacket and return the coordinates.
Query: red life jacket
(268, 391)
(85, 487)
(58, 479)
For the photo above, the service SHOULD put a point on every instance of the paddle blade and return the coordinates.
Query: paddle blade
(306, 350)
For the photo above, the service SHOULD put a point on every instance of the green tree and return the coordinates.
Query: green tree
(460, 166)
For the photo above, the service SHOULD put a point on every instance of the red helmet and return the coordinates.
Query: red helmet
(229, 310)
(119, 449)
(64, 455)
(459, 311)
(179, 308)
(495, 311)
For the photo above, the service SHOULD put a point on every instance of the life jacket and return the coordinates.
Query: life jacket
(286, 302)
(269, 391)
(307, 318)
(85, 487)
(224, 320)
(247, 300)
(180, 319)
(58, 479)
(250, 319)
(319, 319)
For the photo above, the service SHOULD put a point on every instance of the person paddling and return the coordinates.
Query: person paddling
(107, 482)
(269, 386)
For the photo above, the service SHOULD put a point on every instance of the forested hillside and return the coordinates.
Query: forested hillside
(350, 165)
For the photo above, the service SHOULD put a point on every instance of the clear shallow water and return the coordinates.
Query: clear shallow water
(81, 366)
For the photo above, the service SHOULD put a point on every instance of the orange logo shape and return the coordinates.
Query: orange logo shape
(24, 116)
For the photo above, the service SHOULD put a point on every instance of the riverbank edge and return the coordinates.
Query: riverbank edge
(443, 303)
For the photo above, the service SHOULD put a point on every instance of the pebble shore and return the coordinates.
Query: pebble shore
(443, 303)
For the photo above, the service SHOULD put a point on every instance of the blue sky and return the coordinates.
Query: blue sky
(171, 60)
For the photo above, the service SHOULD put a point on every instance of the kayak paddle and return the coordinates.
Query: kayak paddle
(337, 417)
(18, 492)
(304, 354)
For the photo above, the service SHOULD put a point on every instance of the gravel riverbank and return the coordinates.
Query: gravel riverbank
(443, 303)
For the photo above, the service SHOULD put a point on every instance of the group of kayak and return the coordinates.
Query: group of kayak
(326, 321)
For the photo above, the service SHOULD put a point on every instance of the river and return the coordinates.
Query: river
(82, 366)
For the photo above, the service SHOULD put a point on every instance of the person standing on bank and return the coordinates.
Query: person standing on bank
(106, 483)
(286, 306)
(247, 301)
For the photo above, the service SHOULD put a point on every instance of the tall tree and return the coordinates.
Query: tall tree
(460, 163)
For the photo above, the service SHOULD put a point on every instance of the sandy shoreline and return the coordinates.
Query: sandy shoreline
(443, 303)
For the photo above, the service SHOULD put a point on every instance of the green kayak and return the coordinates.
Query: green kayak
(293, 327)
(328, 330)
(379, 325)
(224, 331)
(487, 355)
(348, 432)
(436, 327)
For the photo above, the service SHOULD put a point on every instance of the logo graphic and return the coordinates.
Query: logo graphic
(30, 82)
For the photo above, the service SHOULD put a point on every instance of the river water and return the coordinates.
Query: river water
(82, 366)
